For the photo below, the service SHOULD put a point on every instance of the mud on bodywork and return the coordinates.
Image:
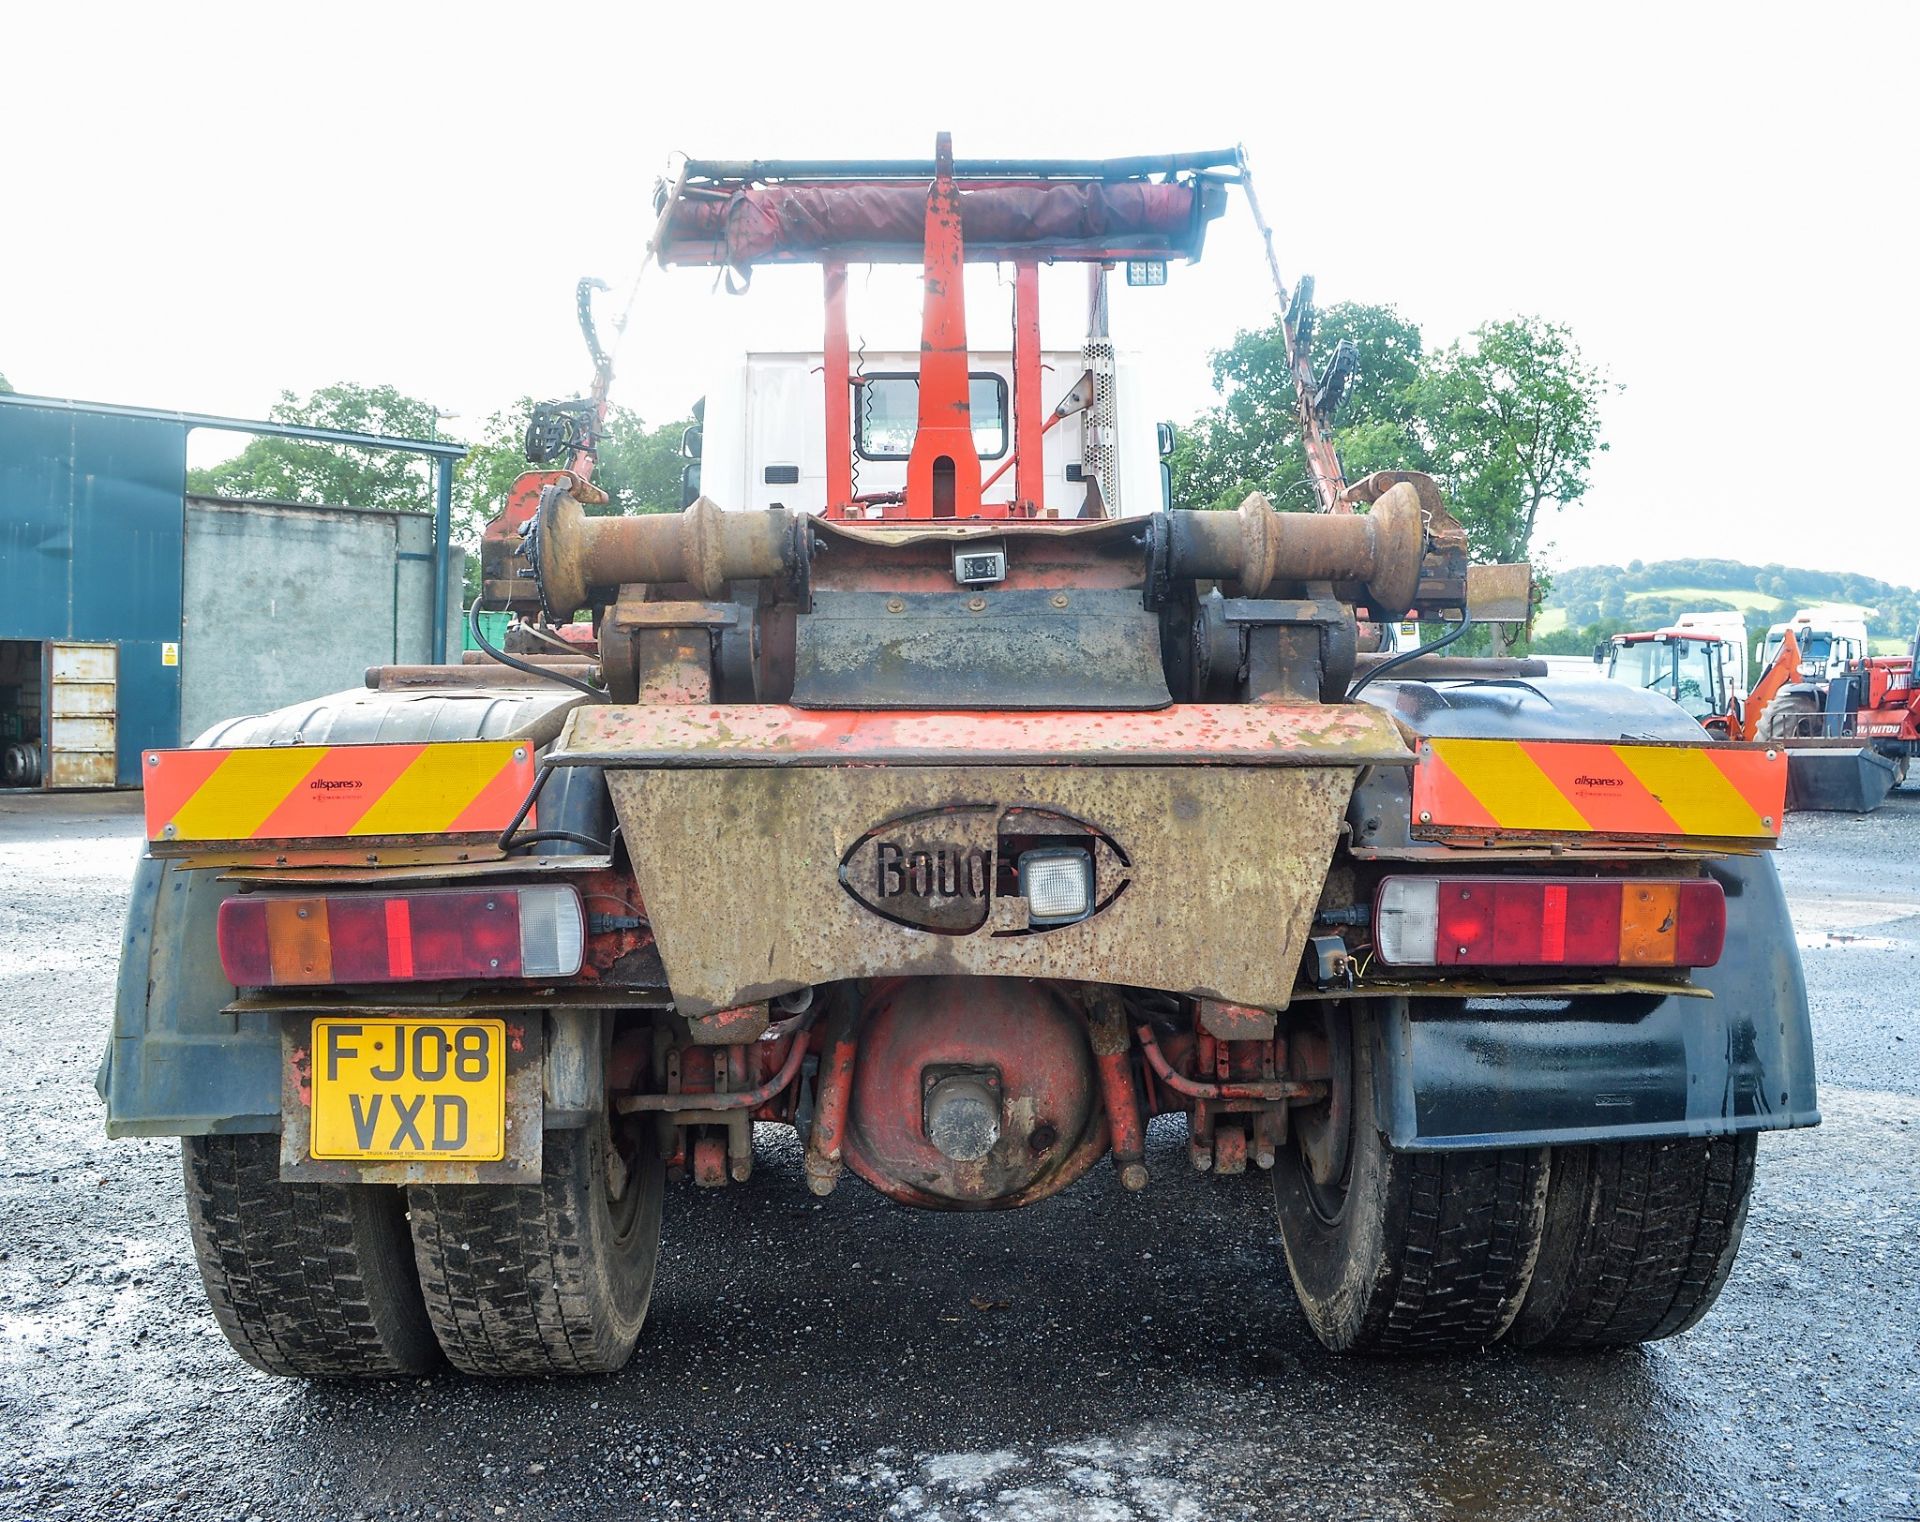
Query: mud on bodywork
(1224, 866)
(769, 835)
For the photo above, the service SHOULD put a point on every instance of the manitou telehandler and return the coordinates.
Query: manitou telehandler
(963, 829)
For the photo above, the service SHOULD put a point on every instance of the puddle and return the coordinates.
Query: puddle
(1811, 940)
(1846, 916)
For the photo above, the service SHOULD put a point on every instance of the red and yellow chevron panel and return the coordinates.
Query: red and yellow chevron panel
(1577, 787)
(335, 792)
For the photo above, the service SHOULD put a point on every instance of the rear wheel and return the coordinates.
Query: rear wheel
(547, 1278)
(1790, 714)
(1402, 1251)
(305, 1279)
(1640, 1238)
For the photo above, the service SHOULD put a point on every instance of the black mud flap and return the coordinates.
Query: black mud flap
(1839, 781)
(1505, 1073)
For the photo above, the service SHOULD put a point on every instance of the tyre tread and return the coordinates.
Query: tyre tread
(1471, 1224)
(305, 1279)
(509, 1283)
(1654, 1230)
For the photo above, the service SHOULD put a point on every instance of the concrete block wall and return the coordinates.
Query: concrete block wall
(285, 602)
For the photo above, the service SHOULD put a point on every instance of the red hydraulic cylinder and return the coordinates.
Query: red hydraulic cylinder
(1029, 447)
(823, 1160)
(839, 384)
(1113, 1059)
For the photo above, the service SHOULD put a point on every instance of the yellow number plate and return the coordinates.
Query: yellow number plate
(409, 1090)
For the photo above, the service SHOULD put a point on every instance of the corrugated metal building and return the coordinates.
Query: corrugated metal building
(131, 617)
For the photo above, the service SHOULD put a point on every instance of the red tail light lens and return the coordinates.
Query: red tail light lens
(1549, 922)
(276, 940)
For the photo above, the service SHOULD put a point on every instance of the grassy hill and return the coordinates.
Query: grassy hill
(1588, 602)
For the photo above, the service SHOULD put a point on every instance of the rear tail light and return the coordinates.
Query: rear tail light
(1549, 922)
(272, 940)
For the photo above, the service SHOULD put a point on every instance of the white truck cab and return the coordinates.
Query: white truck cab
(1829, 639)
(763, 431)
(1731, 630)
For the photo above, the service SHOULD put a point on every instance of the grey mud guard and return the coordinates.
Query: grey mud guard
(177, 1063)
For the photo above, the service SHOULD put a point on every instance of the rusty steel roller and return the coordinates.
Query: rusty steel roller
(1372, 556)
(704, 547)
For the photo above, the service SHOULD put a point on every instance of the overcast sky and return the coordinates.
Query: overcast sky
(206, 205)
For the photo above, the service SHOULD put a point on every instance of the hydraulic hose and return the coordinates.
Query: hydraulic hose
(1404, 656)
(480, 639)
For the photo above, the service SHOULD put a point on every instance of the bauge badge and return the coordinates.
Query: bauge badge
(970, 866)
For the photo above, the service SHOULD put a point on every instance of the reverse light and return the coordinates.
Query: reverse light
(1057, 885)
(1549, 922)
(278, 940)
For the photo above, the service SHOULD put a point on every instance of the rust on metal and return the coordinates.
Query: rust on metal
(469, 677)
(1113, 1056)
(1012, 1043)
(1236, 1022)
(743, 1099)
(630, 612)
(1109, 532)
(1500, 593)
(775, 735)
(1256, 548)
(824, 1162)
(726, 1027)
(710, 1161)
(703, 547)
(1261, 1089)
(1211, 852)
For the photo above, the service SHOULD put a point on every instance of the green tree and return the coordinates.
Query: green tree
(1251, 440)
(640, 467)
(637, 467)
(6, 386)
(1510, 423)
(1580, 641)
(290, 470)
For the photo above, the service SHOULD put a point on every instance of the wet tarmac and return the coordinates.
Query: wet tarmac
(1102, 1357)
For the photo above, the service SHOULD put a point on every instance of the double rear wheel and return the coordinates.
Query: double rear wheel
(372, 1280)
(1554, 1248)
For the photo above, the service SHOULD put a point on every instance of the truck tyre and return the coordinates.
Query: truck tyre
(305, 1279)
(1790, 714)
(547, 1278)
(1640, 1237)
(1408, 1251)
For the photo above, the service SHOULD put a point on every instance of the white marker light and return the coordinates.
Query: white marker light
(1407, 921)
(1057, 885)
(552, 932)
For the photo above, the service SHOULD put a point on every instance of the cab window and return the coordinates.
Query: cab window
(886, 415)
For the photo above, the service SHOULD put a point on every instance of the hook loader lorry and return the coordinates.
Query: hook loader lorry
(962, 826)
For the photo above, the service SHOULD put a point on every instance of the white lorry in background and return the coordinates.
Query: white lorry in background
(764, 428)
(1829, 638)
(1731, 629)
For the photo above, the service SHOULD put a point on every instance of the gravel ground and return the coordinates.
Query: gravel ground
(1102, 1357)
